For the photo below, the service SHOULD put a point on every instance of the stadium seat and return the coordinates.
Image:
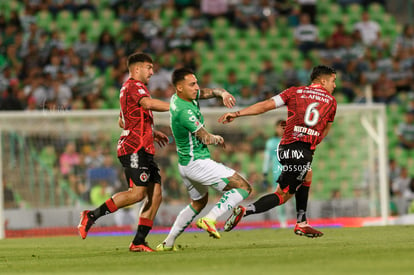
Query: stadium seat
(355, 9)
(322, 6)
(94, 30)
(115, 27)
(106, 15)
(166, 15)
(44, 19)
(64, 19)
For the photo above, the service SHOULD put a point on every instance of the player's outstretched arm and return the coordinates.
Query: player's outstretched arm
(154, 104)
(228, 99)
(209, 139)
(255, 109)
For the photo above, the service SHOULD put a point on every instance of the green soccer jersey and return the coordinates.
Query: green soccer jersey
(186, 119)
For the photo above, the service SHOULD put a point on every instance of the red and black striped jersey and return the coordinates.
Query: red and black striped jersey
(310, 108)
(138, 122)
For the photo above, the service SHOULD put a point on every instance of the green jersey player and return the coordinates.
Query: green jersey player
(197, 169)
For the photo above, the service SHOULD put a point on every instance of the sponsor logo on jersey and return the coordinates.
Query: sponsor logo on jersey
(143, 177)
(308, 131)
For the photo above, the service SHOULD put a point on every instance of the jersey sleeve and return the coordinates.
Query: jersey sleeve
(333, 113)
(286, 95)
(137, 93)
(189, 120)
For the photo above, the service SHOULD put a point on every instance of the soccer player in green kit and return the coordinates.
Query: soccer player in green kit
(197, 169)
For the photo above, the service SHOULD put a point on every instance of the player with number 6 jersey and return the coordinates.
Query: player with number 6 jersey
(311, 112)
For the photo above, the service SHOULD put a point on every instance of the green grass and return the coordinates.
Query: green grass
(368, 250)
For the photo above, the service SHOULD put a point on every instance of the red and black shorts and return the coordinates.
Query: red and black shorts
(140, 168)
(296, 159)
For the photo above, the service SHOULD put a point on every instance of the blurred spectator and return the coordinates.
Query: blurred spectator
(260, 88)
(350, 79)
(338, 35)
(199, 27)
(149, 25)
(246, 97)
(267, 15)
(284, 7)
(231, 84)
(246, 14)
(69, 160)
(399, 76)
(370, 30)
(308, 7)
(289, 74)
(173, 194)
(94, 157)
(272, 79)
(214, 8)
(304, 72)
(405, 131)
(12, 97)
(8, 195)
(372, 74)
(190, 59)
(402, 190)
(306, 34)
(332, 208)
(178, 35)
(61, 94)
(405, 40)
(83, 47)
(105, 53)
(159, 82)
(394, 171)
(384, 90)
(100, 192)
(206, 81)
(53, 66)
(36, 89)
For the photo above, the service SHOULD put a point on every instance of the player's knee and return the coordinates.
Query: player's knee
(199, 205)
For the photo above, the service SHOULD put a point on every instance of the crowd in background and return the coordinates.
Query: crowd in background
(39, 69)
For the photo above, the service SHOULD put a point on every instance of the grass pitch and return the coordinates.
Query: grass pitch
(368, 250)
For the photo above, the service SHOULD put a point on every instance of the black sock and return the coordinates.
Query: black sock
(99, 212)
(302, 196)
(263, 204)
(142, 232)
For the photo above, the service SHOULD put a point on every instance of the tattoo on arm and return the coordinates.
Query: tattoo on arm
(205, 137)
(209, 93)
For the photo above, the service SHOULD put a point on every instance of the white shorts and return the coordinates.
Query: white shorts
(198, 175)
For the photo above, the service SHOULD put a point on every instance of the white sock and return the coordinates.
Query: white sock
(182, 221)
(227, 202)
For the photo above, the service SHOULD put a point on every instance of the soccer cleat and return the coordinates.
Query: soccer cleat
(304, 229)
(234, 218)
(163, 247)
(208, 225)
(140, 248)
(84, 224)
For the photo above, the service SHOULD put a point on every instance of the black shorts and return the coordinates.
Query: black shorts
(140, 168)
(296, 159)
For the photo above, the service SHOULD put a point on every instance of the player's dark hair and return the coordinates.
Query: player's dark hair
(180, 74)
(321, 70)
(138, 57)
